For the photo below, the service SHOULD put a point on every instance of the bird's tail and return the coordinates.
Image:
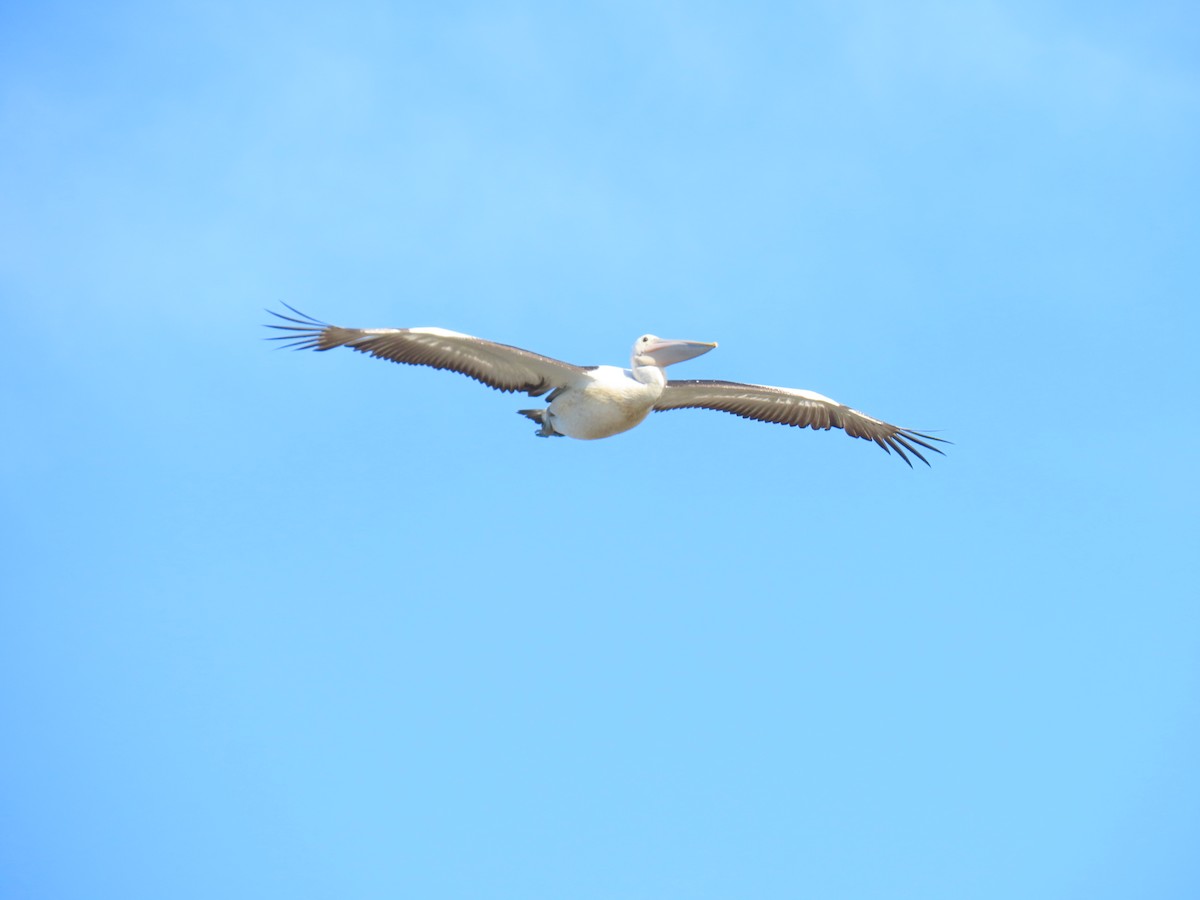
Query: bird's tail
(539, 416)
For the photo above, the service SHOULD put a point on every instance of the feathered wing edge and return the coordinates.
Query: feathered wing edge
(307, 333)
(800, 409)
(499, 366)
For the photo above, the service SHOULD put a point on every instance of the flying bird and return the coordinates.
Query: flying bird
(591, 402)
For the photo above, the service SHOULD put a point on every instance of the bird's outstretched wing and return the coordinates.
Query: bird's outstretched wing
(496, 365)
(788, 406)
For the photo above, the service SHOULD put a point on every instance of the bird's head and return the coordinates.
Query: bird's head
(650, 350)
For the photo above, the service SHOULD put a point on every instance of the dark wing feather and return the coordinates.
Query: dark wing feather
(496, 365)
(787, 406)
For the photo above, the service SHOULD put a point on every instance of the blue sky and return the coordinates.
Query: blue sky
(299, 625)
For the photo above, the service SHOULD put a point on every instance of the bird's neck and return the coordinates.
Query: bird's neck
(650, 375)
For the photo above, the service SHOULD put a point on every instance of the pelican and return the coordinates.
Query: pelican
(592, 402)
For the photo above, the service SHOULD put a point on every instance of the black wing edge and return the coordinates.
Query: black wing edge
(303, 334)
(904, 438)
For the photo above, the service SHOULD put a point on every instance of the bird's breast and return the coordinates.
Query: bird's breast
(609, 402)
